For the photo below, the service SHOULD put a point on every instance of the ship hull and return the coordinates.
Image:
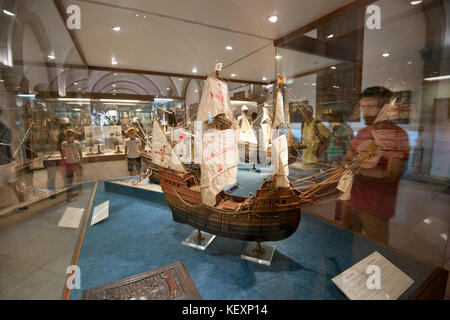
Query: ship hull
(236, 231)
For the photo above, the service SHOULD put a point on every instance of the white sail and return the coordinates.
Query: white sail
(280, 161)
(162, 153)
(266, 128)
(246, 133)
(278, 112)
(219, 163)
(215, 100)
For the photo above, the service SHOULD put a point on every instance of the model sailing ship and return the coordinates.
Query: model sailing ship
(272, 214)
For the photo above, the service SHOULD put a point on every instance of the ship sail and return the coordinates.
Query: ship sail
(219, 147)
(215, 100)
(162, 153)
(246, 133)
(278, 112)
(279, 145)
(219, 163)
(280, 152)
(266, 128)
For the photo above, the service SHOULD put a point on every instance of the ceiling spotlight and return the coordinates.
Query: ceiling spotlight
(273, 19)
(409, 62)
(117, 28)
(233, 75)
(196, 90)
(386, 54)
(277, 57)
(75, 83)
(416, 2)
(330, 36)
(9, 13)
(194, 70)
(137, 14)
(115, 74)
(79, 88)
(167, 89)
(264, 79)
(333, 67)
(181, 79)
(229, 47)
(313, 84)
(51, 56)
(114, 61)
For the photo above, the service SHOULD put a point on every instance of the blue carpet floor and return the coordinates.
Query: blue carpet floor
(139, 236)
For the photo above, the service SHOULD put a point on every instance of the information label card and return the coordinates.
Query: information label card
(71, 218)
(373, 278)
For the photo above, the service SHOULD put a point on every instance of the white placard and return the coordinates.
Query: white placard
(360, 281)
(101, 212)
(71, 218)
(219, 66)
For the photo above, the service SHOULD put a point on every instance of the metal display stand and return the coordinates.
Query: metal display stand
(198, 240)
(259, 253)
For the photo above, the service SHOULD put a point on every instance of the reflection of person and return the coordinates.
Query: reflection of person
(244, 112)
(133, 150)
(71, 156)
(7, 173)
(374, 190)
(140, 131)
(315, 136)
(340, 138)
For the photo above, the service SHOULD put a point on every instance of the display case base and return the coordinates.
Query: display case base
(251, 254)
(202, 244)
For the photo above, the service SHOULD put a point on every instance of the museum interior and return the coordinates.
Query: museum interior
(216, 150)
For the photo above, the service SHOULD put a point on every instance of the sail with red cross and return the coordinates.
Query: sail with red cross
(219, 163)
(215, 100)
(162, 153)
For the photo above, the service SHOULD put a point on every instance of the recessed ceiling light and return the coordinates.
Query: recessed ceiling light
(229, 47)
(115, 90)
(264, 78)
(386, 54)
(330, 36)
(333, 67)
(51, 56)
(145, 17)
(9, 13)
(137, 14)
(194, 70)
(75, 83)
(167, 89)
(114, 61)
(233, 75)
(79, 88)
(278, 57)
(273, 19)
(116, 28)
(313, 84)
(416, 2)
(409, 62)
(114, 85)
(196, 90)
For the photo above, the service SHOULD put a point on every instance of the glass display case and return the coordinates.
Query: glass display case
(336, 80)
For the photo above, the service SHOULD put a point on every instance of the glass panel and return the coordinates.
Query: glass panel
(346, 72)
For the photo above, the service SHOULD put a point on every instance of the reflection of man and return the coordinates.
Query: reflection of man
(315, 136)
(7, 173)
(341, 136)
(374, 190)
